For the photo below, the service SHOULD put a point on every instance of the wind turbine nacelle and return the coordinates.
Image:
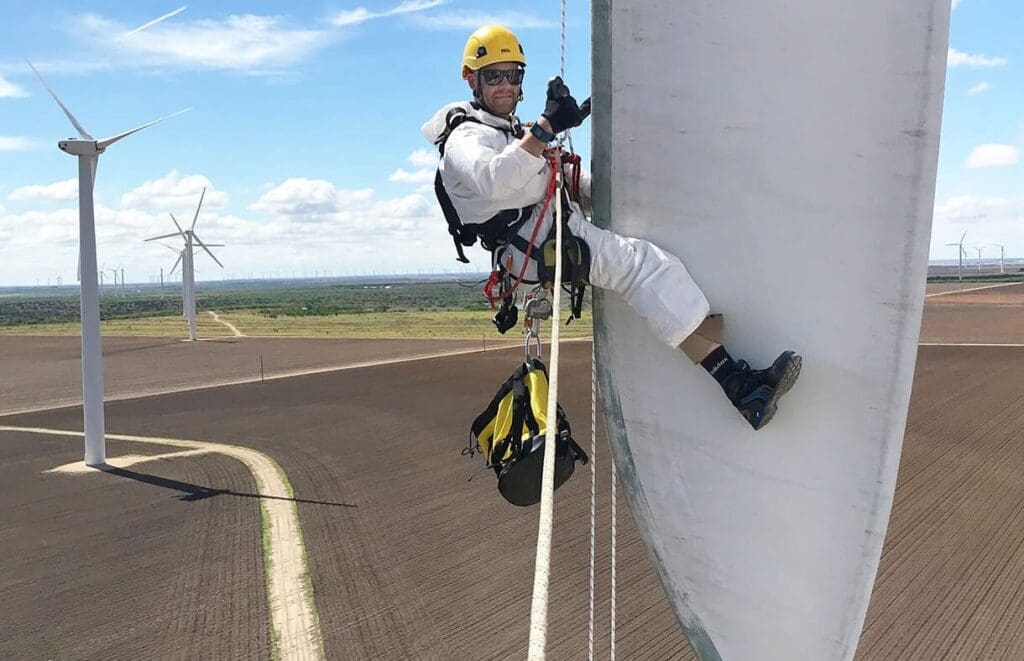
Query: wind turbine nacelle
(80, 147)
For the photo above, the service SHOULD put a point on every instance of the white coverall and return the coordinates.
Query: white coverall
(485, 171)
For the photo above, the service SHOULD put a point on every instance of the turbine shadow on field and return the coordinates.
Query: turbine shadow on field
(192, 492)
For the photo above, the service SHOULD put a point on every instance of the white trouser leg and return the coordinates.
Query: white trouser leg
(653, 282)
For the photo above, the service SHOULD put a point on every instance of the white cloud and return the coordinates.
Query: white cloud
(61, 190)
(249, 43)
(359, 15)
(958, 58)
(965, 209)
(175, 193)
(985, 156)
(10, 90)
(308, 199)
(420, 176)
(317, 206)
(470, 20)
(979, 88)
(422, 158)
(297, 225)
(10, 143)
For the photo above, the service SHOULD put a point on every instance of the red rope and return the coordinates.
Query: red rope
(496, 275)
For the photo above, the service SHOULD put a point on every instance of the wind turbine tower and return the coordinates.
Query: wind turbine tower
(1002, 254)
(88, 151)
(188, 272)
(961, 253)
(978, 248)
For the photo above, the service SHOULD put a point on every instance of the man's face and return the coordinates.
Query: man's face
(502, 97)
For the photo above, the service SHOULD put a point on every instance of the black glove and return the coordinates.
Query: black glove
(561, 110)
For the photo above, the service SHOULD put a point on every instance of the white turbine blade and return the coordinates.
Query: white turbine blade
(203, 246)
(154, 21)
(176, 251)
(165, 236)
(78, 127)
(196, 217)
(963, 236)
(176, 262)
(103, 144)
(180, 231)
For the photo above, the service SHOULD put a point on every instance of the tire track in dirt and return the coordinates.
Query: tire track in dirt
(293, 613)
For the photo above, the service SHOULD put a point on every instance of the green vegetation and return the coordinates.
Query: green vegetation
(397, 309)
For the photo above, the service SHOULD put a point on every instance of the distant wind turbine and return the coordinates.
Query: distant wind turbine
(187, 259)
(1002, 254)
(961, 253)
(88, 151)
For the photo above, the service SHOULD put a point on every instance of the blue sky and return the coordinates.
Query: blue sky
(305, 128)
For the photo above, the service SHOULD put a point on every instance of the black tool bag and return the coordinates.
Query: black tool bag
(510, 433)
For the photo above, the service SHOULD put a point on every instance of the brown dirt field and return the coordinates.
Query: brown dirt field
(415, 533)
(951, 580)
(413, 561)
(985, 316)
(149, 562)
(37, 372)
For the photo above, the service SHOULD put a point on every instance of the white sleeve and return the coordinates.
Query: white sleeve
(487, 172)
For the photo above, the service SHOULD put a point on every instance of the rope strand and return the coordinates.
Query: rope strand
(614, 535)
(539, 609)
(593, 495)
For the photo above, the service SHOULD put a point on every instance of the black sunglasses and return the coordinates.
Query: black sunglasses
(493, 77)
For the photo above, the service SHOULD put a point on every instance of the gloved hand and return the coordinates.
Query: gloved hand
(561, 110)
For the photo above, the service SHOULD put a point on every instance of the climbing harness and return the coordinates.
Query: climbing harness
(493, 230)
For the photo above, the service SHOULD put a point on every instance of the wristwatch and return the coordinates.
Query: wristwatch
(538, 132)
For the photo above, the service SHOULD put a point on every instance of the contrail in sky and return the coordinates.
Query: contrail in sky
(155, 21)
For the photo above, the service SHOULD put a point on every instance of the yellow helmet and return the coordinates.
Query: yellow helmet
(490, 44)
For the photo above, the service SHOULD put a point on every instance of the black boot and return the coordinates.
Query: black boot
(756, 393)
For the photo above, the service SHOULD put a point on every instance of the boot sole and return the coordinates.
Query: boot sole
(789, 377)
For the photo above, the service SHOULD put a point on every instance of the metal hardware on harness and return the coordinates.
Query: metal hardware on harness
(536, 309)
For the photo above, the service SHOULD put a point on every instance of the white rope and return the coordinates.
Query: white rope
(561, 70)
(539, 609)
(614, 534)
(593, 494)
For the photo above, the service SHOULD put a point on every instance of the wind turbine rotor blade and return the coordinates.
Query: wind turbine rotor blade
(180, 231)
(200, 206)
(963, 236)
(176, 262)
(103, 144)
(176, 251)
(165, 236)
(203, 246)
(78, 127)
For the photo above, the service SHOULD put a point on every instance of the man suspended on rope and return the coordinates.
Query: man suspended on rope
(494, 183)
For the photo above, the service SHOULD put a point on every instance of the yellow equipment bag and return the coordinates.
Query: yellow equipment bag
(510, 434)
